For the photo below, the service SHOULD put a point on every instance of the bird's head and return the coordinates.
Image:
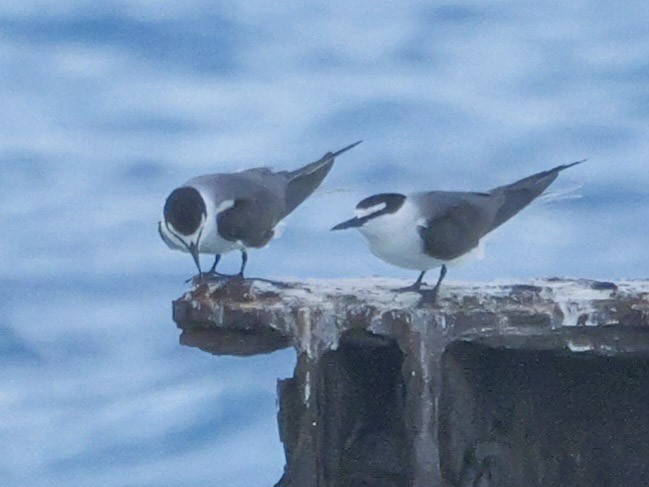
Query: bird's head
(372, 208)
(185, 214)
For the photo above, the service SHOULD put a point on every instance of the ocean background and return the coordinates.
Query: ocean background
(107, 106)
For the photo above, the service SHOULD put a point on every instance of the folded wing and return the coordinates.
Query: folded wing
(459, 220)
(456, 223)
(521, 193)
(249, 221)
(304, 181)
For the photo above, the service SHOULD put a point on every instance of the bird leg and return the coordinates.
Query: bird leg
(430, 296)
(414, 287)
(212, 274)
(244, 261)
(209, 275)
(217, 258)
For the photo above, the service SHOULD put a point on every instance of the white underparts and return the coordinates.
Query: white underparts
(393, 237)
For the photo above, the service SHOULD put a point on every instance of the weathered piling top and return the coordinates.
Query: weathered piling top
(244, 317)
(500, 384)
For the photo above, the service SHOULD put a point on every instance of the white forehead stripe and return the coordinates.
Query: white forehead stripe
(224, 205)
(363, 212)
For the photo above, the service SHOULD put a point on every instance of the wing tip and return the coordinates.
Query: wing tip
(566, 166)
(337, 153)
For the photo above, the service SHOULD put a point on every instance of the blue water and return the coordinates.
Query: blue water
(106, 108)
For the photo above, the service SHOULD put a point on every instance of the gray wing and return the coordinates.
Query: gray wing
(258, 197)
(519, 194)
(304, 181)
(250, 221)
(454, 222)
(263, 197)
(258, 206)
(291, 187)
(294, 186)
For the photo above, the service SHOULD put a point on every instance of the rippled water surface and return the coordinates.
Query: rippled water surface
(108, 106)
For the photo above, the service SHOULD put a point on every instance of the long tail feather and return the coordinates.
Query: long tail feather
(560, 194)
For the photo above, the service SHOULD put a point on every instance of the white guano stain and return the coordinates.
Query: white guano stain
(580, 347)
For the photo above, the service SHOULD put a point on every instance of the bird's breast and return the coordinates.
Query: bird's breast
(213, 243)
(393, 237)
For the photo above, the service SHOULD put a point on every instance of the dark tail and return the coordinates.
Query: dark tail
(304, 181)
(521, 193)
